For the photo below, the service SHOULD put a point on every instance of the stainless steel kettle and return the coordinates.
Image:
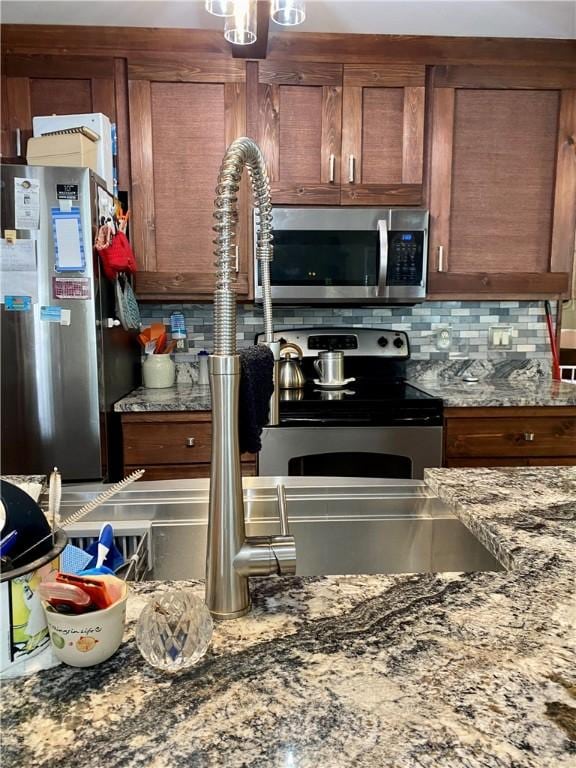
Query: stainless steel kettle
(291, 376)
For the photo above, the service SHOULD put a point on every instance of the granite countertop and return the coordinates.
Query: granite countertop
(444, 670)
(180, 397)
(486, 393)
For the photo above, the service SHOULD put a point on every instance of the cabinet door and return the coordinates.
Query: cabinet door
(299, 123)
(382, 135)
(183, 114)
(53, 84)
(503, 182)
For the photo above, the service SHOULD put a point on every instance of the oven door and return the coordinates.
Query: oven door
(345, 255)
(385, 452)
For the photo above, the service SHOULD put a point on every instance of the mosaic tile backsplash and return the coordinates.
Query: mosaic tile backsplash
(468, 325)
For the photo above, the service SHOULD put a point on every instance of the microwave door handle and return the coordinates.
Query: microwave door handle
(383, 239)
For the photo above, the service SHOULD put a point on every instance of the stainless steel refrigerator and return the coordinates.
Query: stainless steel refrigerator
(64, 361)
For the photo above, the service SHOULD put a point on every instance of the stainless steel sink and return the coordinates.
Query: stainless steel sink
(341, 525)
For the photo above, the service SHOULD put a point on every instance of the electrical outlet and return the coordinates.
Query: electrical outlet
(443, 338)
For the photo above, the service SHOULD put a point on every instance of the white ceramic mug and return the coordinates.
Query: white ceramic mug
(330, 367)
(85, 639)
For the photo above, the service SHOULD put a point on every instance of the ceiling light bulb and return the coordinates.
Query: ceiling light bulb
(240, 29)
(288, 12)
(220, 7)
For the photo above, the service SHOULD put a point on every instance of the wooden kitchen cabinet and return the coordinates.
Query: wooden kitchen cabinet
(493, 437)
(502, 182)
(336, 134)
(35, 84)
(184, 112)
(171, 445)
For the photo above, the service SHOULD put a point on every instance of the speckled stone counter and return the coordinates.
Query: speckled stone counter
(406, 671)
(34, 485)
(498, 393)
(181, 397)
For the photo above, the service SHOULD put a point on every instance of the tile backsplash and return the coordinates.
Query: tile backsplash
(468, 323)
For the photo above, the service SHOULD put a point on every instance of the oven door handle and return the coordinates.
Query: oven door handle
(383, 269)
(314, 421)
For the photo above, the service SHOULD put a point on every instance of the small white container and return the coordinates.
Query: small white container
(158, 371)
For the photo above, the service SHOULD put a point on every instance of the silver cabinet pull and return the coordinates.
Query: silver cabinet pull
(332, 169)
(351, 165)
(190, 442)
(529, 437)
(237, 259)
(18, 142)
(440, 258)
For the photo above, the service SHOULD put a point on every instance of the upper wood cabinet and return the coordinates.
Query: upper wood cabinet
(298, 127)
(184, 112)
(35, 84)
(341, 134)
(382, 135)
(503, 182)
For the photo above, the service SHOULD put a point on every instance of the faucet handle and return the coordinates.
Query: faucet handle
(282, 509)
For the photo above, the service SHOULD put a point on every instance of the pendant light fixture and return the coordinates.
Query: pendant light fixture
(240, 29)
(288, 13)
(220, 7)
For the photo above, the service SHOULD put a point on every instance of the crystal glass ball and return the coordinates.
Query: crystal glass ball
(174, 631)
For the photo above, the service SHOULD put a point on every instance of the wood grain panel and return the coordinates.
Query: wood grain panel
(441, 174)
(182, 285)
(331, 132)
(19, 111)
(6, 148)
(60, 97)
(257, 50)
(181, 67)
(315, 47)
(166, 443)
(351, 131)
(382, 125)
(234, 128)
(184, 471)
(552, 436)
(381, 194)
(398, 75)
(505, 77)
(300, 133)
(522, 411)
(497, 285)
(142, 225)
(103, 97)
(413, 135)
(269, 128)
(252, 104)
(122, 122)
(564, 221)
(299, 73)
(530, 461)
(502, 180)
(188, 143)
(59, 66)
(299, 194)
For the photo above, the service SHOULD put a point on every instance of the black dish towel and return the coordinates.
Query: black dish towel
(256, 388)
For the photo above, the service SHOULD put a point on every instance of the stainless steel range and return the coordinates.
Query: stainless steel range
(375, 425)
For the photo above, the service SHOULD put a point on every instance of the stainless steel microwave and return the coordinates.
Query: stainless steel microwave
(348, 255)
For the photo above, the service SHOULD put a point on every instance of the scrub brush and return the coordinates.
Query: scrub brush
(101, 498)
(54, 499)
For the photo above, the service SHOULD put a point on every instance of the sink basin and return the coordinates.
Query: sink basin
(341, 525)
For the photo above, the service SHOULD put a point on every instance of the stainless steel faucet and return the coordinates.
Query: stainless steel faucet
(231, 556)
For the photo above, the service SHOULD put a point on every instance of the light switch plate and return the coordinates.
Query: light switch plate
(500, 337)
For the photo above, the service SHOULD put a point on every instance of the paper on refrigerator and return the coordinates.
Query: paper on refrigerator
(26, 203)
(18, 270)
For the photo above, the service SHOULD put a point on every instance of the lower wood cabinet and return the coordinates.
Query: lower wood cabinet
(494, 437)
(171, 445)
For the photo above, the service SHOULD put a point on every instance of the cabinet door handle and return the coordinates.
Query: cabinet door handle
(529, 437)
(18, 142)
(440, 258)
(332, 169)
(190, 442)
(236, 259)
(351, 168)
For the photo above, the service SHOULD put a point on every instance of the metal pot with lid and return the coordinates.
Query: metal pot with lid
(291, 376)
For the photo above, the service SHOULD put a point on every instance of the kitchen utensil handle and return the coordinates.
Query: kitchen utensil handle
(282, 509)
(318, 368)
(332, 169)
(351, 168)
(440, 258)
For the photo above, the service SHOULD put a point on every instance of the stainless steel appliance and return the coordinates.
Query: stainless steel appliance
(376, 426)
(347, 255)
(59, 381)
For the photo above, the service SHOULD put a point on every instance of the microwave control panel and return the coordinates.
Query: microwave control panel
(405, 258)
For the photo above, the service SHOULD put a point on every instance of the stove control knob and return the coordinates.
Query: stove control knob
(383, 341)
(398, 342)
